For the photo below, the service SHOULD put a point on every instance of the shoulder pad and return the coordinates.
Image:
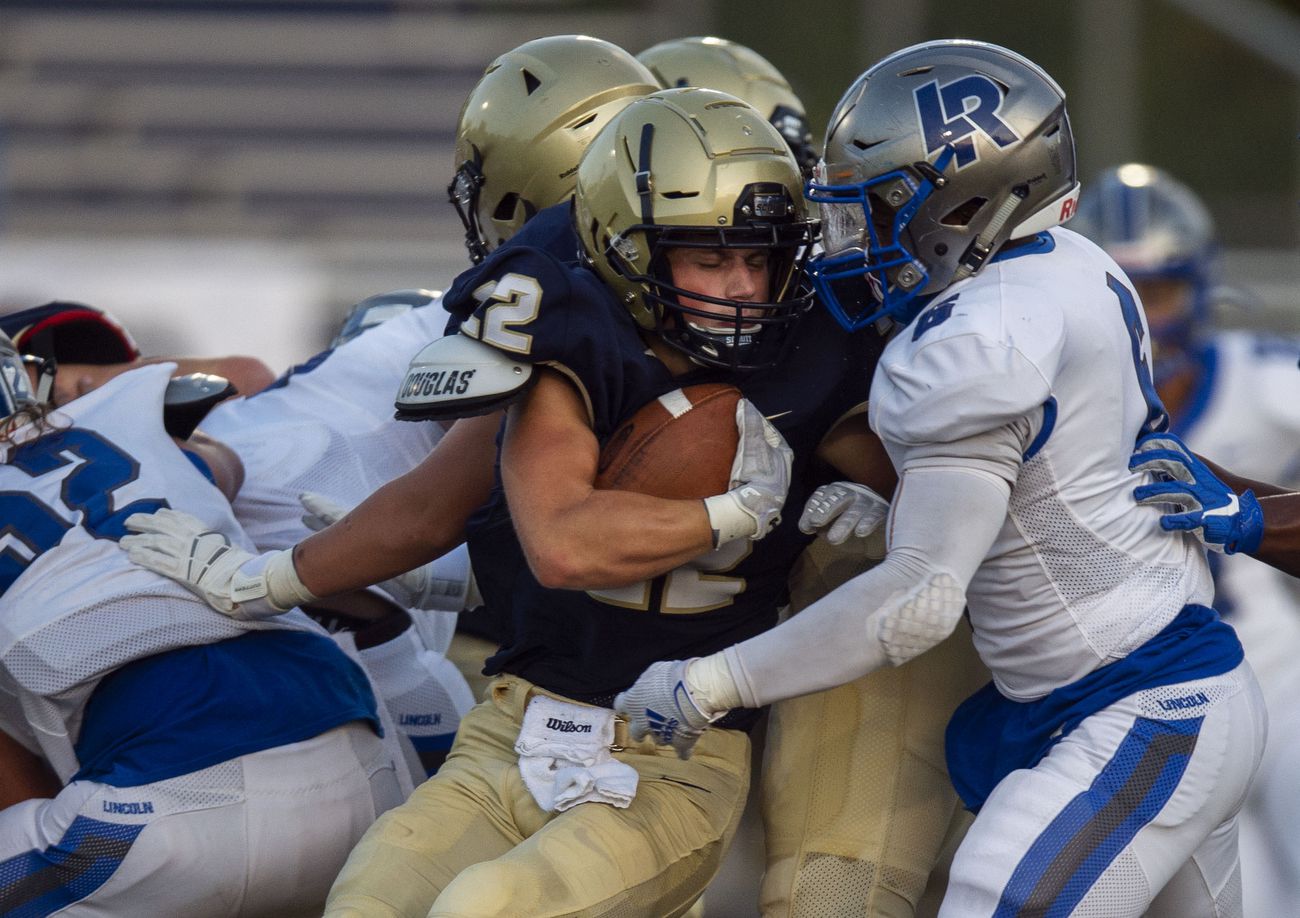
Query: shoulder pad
(458, 377)
(941, 380)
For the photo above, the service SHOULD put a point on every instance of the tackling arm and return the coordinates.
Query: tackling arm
(409, 521)
(945, 519)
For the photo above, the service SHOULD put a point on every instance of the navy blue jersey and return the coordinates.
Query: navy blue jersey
(549, 231)
(591, 645)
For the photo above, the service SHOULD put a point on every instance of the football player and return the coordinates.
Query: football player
(1110, 755)
(186, 762)
(855, 796)
(1230, 395)
(690, 213)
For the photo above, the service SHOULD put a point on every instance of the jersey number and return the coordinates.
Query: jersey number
(513, 300)
(1157, 417)
(36, 527)
(698, 586)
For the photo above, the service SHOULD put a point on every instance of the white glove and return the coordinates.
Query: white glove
(233, 581)
(660, 705)
(848, 507)
(760, 477)
(446, 583)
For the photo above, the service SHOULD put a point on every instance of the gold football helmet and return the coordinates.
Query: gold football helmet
(715, 63)
(525, 125)
(696, 168)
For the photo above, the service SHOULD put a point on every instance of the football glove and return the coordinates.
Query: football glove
(235, 582)
(760, 477)
(660, 705)
(446, 584)
(847, 507)
(1223, 520)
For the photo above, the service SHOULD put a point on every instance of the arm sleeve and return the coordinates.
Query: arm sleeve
(946, 515)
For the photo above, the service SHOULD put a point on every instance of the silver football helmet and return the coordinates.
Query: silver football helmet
(935, 157)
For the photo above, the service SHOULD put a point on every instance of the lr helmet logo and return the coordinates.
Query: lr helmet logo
(954, 113)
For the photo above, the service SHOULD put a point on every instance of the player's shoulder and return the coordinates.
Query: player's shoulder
(540, 310)
(476, 285)
(980, 354)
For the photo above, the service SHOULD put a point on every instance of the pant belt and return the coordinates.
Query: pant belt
(513, 694)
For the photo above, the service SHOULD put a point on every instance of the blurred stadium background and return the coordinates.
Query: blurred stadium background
(229, 175)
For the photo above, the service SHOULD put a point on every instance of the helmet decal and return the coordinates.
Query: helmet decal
(946, 118)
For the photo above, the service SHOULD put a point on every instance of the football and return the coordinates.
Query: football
(679, 446)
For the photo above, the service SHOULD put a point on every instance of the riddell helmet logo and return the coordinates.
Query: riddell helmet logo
(954, 113)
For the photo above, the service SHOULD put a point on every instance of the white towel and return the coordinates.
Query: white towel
(564, 756)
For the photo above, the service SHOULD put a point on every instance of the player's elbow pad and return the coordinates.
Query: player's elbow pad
(913, 620)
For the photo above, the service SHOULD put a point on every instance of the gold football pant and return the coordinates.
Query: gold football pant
(471, 841)
(467, 653)
(855, 794)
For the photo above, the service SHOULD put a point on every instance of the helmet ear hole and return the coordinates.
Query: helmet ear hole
(964, 213)
(505, 209)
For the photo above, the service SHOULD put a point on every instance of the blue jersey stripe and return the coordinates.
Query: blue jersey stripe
(39, 883)
(1049, 424)
(1088, 834)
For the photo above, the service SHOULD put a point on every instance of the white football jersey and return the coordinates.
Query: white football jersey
(1079, 575)
(1246, 417)
(75, 606)
(328, 427)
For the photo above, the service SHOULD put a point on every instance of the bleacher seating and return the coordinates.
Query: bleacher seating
(283, 118)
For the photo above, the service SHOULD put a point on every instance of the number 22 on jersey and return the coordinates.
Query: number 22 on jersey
(697, 586)
(32, 527)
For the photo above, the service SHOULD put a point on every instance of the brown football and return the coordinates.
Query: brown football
(679, 446)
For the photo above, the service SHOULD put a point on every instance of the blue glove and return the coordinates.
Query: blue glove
(1223, 520)
(660, 705)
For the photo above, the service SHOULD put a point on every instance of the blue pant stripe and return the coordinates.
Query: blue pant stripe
(37, 883)
(1088, 834)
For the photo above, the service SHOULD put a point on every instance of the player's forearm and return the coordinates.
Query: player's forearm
(410, 521)
(946, 518)
(1280, 546)
(610, 539)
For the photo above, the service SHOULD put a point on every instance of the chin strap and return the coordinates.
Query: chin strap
(45, 380)
(982, 247)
